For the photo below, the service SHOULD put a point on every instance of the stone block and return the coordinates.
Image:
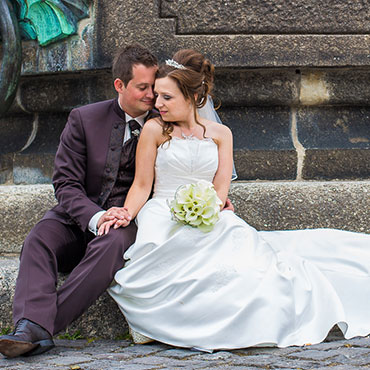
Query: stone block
(35, 168)
(263, 148)
(15, 132)
(30, 57)
(267, 17)
(62, 93)
(265, 205)
(28, 146)
(265, 164)
(297, 41)
(259, 127)
(331, 164)
(81, 49)
(6, 168)
(299, 205)
(334, 127)
(349, 86)
(21, 208)
(53, 57)
(313, 88)
(268, 87)
(102, 320)
(8, 276)
(141, 22)
(35, 163)
(49, 128)
(337, 142)
(335, 86)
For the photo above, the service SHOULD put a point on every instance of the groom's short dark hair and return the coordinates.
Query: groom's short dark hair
(127, 57)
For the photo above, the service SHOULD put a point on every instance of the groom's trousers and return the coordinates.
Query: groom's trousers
(52, 246)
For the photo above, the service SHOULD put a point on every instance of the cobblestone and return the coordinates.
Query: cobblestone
(334, 354)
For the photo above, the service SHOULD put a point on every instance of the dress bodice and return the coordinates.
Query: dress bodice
(183, 161)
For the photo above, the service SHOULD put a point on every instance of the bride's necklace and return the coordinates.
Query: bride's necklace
(190, 136)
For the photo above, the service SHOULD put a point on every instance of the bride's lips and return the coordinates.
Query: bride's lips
(162, 112)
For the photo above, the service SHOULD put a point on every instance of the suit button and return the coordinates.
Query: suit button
(108, 170)
(112, 148)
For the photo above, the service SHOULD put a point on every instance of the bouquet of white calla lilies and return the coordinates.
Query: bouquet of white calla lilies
(196, 205)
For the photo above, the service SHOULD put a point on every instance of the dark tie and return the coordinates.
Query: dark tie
(134, 128)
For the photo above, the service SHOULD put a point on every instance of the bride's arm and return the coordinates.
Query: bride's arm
(146, 154)
(139, 192)
(222, 177)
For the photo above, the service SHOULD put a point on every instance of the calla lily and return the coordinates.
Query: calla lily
(196, 205)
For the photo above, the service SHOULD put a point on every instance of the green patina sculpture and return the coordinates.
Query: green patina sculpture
(45, 20)
(49, 20)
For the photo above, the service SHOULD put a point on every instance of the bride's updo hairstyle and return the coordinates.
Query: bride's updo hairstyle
(194, 75)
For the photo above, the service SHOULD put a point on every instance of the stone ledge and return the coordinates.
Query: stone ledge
(102, 320)
(264, 205)
(21, 207)
(304, 204)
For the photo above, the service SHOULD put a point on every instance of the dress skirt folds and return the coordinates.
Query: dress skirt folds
(234, 286)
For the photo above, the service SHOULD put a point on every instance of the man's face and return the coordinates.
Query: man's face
(137, 97)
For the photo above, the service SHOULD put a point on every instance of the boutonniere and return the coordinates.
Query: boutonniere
(136, 132)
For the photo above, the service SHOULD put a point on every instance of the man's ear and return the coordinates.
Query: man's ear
(119, 85)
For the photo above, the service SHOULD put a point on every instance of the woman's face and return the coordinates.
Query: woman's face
(170, 102)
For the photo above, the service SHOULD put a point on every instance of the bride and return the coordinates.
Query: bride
(231, 287)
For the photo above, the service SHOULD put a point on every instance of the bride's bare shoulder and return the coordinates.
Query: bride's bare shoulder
(154, 123)
(215, 129)
(153, 126)
(152, 130)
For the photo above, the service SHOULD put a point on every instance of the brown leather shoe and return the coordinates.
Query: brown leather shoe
(27, 339)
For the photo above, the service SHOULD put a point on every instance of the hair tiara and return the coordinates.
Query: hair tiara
(173, 63)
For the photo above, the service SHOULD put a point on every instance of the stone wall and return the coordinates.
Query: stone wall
(293, 78)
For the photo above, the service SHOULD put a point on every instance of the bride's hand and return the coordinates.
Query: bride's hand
(228, 206)
(105, 226)
(113, 214)
(117, 216)
(123, 222)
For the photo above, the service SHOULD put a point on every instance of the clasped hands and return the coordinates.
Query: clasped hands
(120, 217)
(114, 217)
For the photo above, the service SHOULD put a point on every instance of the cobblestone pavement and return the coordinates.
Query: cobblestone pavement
(334, 354)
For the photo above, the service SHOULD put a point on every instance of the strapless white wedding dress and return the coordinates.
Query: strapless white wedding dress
(236, 287)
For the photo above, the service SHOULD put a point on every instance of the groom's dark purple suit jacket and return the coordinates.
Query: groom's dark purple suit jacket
(87, 161)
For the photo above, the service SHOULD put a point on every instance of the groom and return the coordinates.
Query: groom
(94, 168)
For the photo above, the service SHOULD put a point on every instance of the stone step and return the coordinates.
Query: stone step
(102, 320)
(264, 205)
